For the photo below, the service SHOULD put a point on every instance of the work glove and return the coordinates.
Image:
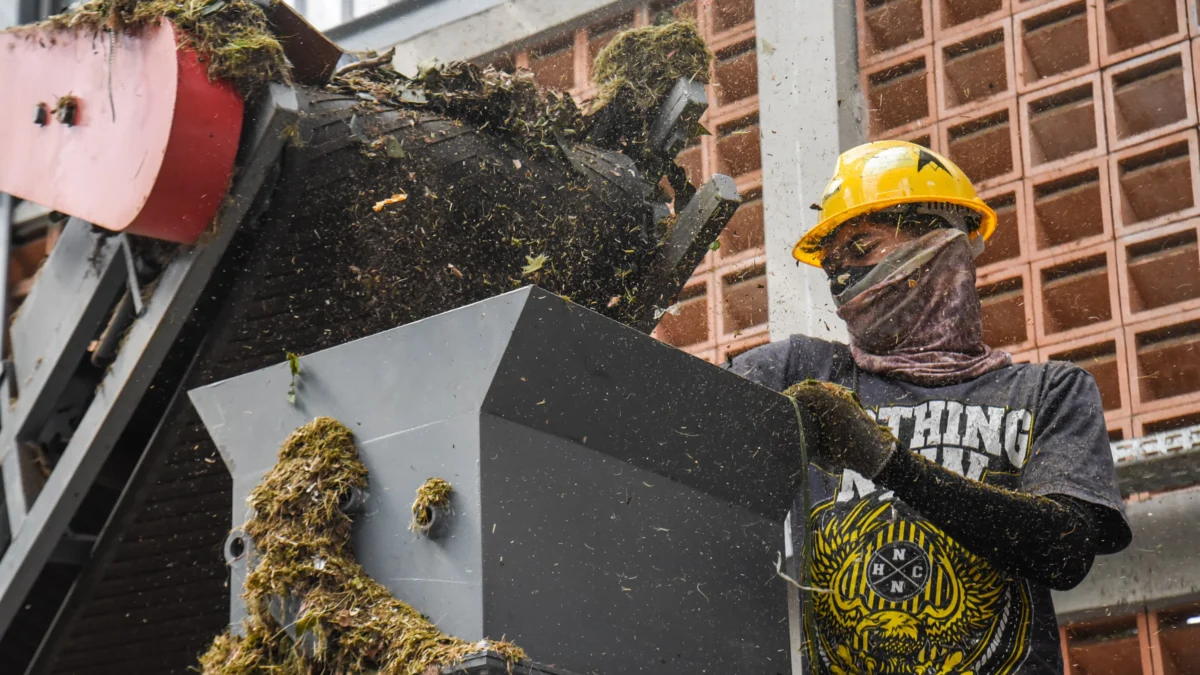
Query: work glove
(839, 434)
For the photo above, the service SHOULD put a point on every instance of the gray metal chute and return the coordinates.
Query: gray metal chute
(617, 503)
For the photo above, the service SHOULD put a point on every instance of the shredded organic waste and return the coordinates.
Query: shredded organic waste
(433, 494)
(233, 35)
(644, 63)
(510, 103)
(304, 556)
(502, 186)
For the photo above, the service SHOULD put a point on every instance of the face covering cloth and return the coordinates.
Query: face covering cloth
(920, 320)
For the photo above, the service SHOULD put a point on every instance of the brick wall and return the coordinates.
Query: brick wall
(1077, 122)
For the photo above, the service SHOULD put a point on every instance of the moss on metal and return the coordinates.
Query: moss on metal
(234, 36)
(433, 494)
(644, 63)
(303, 553)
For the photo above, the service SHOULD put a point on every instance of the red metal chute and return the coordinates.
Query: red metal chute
(151, 146)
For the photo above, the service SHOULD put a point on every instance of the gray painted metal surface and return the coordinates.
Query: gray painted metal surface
(35, 536)
(404, 20)
(494, 664)
(617, 502)
(1159, 568)
(75, 289)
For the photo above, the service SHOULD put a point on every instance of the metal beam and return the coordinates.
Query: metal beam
(74, 292)
(1158, 569)
(1163, 461)
(145, 346)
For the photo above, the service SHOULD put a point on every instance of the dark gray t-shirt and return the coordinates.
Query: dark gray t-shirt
(900, 596)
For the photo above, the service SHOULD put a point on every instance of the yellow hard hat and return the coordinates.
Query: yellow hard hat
(880, 174)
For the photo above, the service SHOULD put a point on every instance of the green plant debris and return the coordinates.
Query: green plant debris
(433, 494)
(293, 368)
(533, 264)
(234, 36)
(303, 541)
(509, 103)
(644, 63)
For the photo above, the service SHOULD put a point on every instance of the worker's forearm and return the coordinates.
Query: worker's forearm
(1047, 540)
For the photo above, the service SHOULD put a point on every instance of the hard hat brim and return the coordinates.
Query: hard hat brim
(808, 249)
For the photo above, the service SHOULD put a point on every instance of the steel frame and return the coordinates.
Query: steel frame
(38, 524)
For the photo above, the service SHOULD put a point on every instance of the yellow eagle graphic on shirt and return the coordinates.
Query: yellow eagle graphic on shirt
(898, 597)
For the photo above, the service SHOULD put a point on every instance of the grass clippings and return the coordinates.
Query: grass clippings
(304, 553)
(433, 494)
(233, 36)
(644, 63)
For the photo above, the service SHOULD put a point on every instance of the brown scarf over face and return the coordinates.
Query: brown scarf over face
(922, 323)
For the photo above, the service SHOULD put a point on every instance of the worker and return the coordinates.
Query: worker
(964, 488)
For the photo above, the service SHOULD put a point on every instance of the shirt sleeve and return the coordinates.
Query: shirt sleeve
(779, 365)
(1070, 453)
(766, 365)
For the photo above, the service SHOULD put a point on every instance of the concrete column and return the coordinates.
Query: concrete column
(810, 109)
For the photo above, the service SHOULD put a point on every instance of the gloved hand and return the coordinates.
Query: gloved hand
(839, 433)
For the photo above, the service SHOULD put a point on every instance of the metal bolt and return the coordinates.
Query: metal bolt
(41, 115)
(66, 112)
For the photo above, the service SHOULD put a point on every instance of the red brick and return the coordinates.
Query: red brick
(691, 159)
(1128, 28)
(1075, 295)
(727, 15)
(1159, 271)
(741, 300)
(749, 182)
(1055, 42)
(1168, 419)
(735, 74)
(1008, 244)
(730, 113)
(1196, 71)
(1007, 309)
(1068, 209)
(1119, 428)
(691, 323)
(927, 137)
(1027, 356)
(888, 27)
(704, 353)
(681, 11)
(952, 17)
(1063, 124)
(1019, 6)
(900, 93)
(739, 148)
(743, 236)
(974, 68)
(599, 35)
(553, 65)
(1164, 361)
(728, 350)
(985, 145)
(1155, 183)
(1150, 96)
(1104, 357)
